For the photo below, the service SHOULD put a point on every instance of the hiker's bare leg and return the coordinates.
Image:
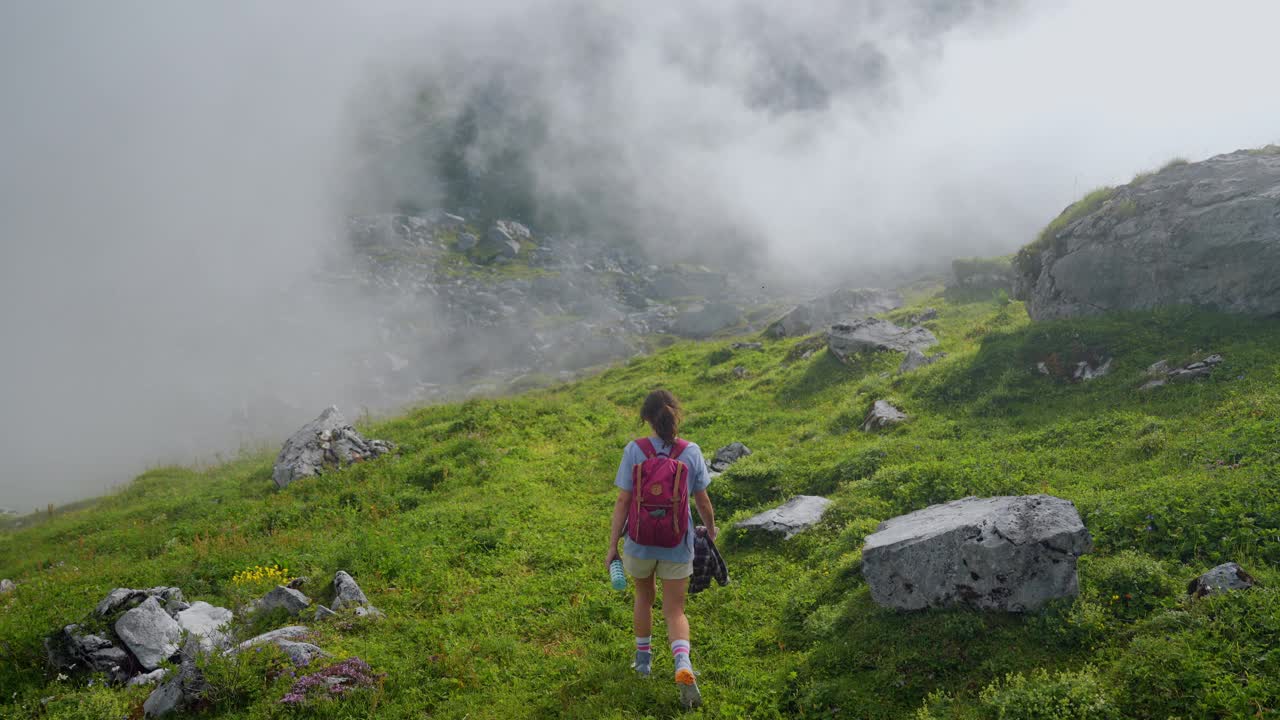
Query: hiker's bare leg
(673, 608)
(645, 594)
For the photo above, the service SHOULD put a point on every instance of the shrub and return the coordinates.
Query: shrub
(1077, 695)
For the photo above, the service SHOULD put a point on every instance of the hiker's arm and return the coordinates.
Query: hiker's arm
(615, 526)
(708, 514)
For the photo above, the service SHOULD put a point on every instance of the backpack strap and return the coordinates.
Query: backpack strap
(646, 447)
(678, 447)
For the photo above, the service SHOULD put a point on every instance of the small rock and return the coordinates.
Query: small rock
(284, 633)
(728, 455)
(369, 611)
(282, 597)
(881, 416)
(740, 372)
(7, 586)
(467, 241)
(151, 678)
(298, 582)
(1086, 371)
(149, 633)
(346, 592)
(1158, 368)
(925, 316)
(323, 613)
(797, 514)
(301, 653)
(1223, 578)
(747, 346)
(915, 360)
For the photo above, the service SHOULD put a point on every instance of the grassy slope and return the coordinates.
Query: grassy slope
(482, 539)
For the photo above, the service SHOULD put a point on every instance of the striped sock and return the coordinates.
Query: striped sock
(644, 654)
(680, 650)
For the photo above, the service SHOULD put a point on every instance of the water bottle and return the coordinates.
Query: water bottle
(616, 577)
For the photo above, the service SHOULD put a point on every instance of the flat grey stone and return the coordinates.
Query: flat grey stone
(285, 633)
(797, 514)
(151, 678)
(149, 633)
(882, 415)
(207, 623)
(300, 653)
(1010, 553)
(1223, 578)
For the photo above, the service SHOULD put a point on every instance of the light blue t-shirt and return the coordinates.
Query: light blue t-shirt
(698, 481)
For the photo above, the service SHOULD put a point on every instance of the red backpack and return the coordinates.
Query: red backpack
(659, 513)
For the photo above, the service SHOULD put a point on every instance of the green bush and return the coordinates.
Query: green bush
(1080, 695)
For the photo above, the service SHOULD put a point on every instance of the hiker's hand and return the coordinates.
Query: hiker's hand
(610, 556)
(712, 532)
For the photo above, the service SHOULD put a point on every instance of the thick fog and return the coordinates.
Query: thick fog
(175, 177)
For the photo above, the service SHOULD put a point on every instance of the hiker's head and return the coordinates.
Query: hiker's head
(662, 411)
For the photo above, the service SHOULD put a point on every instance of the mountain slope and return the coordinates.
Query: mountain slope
(482, 539)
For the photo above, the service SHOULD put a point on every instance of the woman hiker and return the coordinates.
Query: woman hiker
(660, 531)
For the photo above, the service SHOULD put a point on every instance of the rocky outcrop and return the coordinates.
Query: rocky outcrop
(1011, 553)
(124, 598)
(329, 441)
(1205, 234)
(502, 241)
(728, 455)
(882, 415)
(1223, 578)
(841, 305)
(796, 515)
(873, 335)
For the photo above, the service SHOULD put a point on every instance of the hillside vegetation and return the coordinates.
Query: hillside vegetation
(482, 539)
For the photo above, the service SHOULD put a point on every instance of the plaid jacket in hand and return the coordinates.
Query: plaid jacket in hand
(707, 563)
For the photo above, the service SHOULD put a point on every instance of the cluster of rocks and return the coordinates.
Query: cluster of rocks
(132, 633)
(1090, 368)
(328, 442)
(1204, 233)
(1161, 374)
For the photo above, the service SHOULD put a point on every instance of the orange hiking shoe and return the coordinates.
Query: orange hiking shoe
(690, 696)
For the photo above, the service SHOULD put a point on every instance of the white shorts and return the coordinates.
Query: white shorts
(665, 569)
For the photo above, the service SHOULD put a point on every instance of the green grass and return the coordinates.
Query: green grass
(482, 539)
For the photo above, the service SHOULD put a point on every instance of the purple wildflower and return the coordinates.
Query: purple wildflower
(337, 679)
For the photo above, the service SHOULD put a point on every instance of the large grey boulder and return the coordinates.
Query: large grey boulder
(821, 312)
(882, 415)
(1205, 233)
(207, 623)
(873, 335)
(1223, 578)
(149, 633)
(797, 514)
(1010, 553)
(329, 441)
(728, 455)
